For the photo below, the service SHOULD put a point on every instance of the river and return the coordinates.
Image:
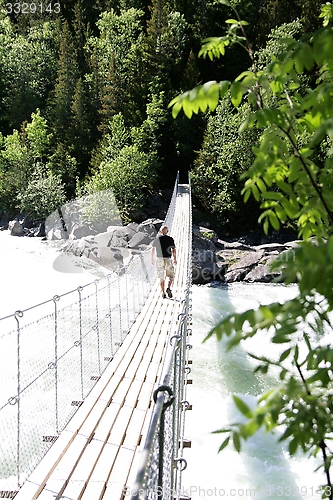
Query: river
(263, 470)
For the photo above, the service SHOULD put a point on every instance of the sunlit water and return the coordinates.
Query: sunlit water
(263, 470)
(27, 273)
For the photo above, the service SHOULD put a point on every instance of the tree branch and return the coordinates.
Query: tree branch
(322, 445)
(312, 180)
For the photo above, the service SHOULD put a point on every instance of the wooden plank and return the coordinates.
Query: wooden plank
(145, 396)
(50, 491)
(120, 395)
(110, 388)
(118, 431)
(67, 464)
(36, 481)
(151, 375)
(114, 491)
(131, 398)
(105, 424)
(105, 463)
(133, 431)
(119, 474)
(74, 490)
(94, 491)
(91, 422)
(87, 461)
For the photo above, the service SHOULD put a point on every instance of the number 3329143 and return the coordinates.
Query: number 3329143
(32, 8)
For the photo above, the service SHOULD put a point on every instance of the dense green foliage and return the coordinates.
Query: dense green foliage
(82, 63)
(289, 100)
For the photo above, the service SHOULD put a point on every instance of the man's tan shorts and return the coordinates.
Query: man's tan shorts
(164, 264)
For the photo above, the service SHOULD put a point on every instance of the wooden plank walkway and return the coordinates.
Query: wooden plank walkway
(97, 455)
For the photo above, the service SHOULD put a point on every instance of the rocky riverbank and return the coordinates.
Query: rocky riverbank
(214, 259)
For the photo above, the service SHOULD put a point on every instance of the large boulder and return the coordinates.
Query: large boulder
(232, 261)
(238, 270)
(15, 228)
(138, 240)
(103, 239)
(80, 231)
(207, 265)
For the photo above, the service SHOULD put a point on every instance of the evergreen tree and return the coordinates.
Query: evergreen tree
(117, 64)
(80, 128)
(80, 32)
(64, 91)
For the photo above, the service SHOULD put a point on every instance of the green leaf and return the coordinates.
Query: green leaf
(276, 86)
(242, 407)
(224, 86)
(224, 444)
(293, 445)
(275, 223)
(232, 21)
(236, 93)
(284, 355)
(236, 441)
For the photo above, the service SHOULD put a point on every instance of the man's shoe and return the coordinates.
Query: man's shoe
(163, 296)
(168, 291)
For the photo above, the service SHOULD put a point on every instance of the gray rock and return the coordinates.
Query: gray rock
(235, 245)
(118, 241)
(235, 275)
(80, 230)
(236, 261)
(107, 257)
(205, 232)
(57, 233)
(261, 273)
(249, 261)
(15, 228)
(103, 239)
(139, 239)
(150, 227)
(204, 272)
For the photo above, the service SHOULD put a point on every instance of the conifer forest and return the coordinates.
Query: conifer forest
(84, 94)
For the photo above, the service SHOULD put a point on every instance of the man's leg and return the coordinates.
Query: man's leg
(170, 272)
(160, 274)
(162, 282)
(170, 283)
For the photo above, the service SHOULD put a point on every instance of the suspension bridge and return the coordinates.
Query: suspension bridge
(95, 408)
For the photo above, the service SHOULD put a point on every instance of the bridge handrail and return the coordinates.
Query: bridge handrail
(160, 470)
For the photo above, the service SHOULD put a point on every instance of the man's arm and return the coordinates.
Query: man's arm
(174, 255)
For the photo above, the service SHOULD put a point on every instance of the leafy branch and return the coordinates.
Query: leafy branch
(292, 176)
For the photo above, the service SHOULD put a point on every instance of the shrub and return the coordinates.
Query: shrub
(43, 194)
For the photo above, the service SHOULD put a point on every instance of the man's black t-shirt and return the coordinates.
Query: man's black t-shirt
(164, 245)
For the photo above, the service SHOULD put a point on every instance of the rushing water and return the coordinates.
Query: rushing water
(263, 470)
(29, 276)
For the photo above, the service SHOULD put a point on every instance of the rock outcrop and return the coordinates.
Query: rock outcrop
(217, 260)
(115, 247)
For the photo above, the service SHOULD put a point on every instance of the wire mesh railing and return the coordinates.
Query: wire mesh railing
(52, 355)
(50, 364)
(162, 462)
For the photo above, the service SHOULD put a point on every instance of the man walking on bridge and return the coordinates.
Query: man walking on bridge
(165, 249)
